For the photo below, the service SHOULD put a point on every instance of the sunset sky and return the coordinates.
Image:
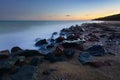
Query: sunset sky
(57, 9)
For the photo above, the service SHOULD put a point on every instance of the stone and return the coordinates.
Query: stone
(26, 72)
(60, 39)
(72, 37)
(84, 58)
(55, 33)
(41, 42)
(52, 58)
(21, 60)
(50, 46)
(28, 53)
(6, 65)
(59, 50)
(36, 61)
(69, 53)
(16, 49)
(4, 54)
(97, 50)
(70, 45)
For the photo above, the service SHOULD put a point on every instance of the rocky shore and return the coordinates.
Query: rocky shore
(90, 51)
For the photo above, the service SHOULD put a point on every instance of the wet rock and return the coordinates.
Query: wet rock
(97, 50)
(29, 53)
(4, 54)
(50, 46)
(84, 58)
(36, 61)
(69, 53)
(26, 72)
(16, 49)
(55, 33)
(70, 45)
(41, 42)
(59, 50)
(6, 65)
(21, 60)
(72, 37)
(60, 39)
(52, 58)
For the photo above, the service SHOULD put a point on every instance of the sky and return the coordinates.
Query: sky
(57, 9)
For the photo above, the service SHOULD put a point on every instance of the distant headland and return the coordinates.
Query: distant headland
(115, 17)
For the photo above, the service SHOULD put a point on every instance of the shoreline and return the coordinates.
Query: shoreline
(90, 49)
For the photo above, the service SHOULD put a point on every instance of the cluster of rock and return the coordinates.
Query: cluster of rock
(90, 39)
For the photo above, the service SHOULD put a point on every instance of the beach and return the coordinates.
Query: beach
(88, 51)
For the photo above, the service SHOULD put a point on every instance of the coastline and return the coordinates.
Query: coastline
(65, 57)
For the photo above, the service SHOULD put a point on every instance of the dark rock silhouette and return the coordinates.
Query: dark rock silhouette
(115, 17)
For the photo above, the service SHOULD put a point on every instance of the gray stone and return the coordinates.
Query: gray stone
(26, 72)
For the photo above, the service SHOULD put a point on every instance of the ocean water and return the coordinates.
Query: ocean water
(24, 33)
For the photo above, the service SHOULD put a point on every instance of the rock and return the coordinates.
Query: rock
(41, 42)
(60, 39)
(16, 49)
(21, 61)
(36, 61)
(50, 46)
(72, 37)
(43, 50)
(26, 72)
(4, 54)
(70, 45)
(84, 58)
(69, 53)
(6, 65)
(59, 50)
(55, 33)
(52, 58)
(96, 50)
(29, 53)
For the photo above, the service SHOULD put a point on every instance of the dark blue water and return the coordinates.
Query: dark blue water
(24, 33)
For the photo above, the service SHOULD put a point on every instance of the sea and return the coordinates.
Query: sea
(25, 33)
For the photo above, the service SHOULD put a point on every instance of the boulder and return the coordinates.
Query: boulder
(41, 42)
(26, 72)
(52, 58)
(28, 53)
(36, 61)
(72, 37)
(59, 50)
(55, 33)
(21, 60)
(50, 46)
(96, 50)
(4, 54)
(6, 65)
(70, 45)
(60, 39)
(84, 58)
(69, 53)
(16, 49)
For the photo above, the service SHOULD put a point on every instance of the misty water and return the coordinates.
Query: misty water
(24, 33)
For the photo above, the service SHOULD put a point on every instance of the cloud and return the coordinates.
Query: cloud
(67, 15)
